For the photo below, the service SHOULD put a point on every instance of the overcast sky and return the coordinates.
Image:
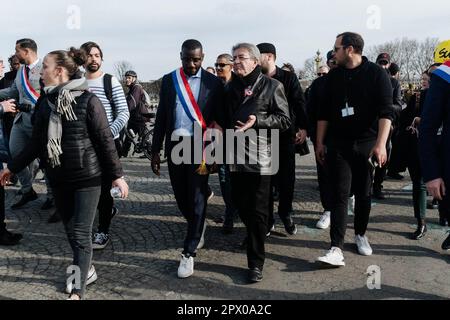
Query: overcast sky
(149, 34)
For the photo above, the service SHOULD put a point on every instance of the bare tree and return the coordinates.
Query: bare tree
(121, 67)
(412, 56)
(309, 70)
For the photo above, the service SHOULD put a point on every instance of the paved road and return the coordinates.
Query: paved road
(147, 235)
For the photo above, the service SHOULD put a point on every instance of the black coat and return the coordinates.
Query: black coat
(87, 144)
(435, 156)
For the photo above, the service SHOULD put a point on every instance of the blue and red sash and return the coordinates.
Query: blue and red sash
(444, 71)
(32, 94)
(186, 97)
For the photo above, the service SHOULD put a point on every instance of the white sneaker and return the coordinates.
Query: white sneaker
(363, 245)
(333, 257)
(210, 196)
(325, 220)
(186, 268)
(92, 277)
(351, 206)
(201, 244)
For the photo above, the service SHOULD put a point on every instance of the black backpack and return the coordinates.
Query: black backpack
(107, 85)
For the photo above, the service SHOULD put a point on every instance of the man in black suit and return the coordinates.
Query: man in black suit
(175, 119)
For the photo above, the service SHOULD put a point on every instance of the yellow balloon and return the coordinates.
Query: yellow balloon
(442, 52)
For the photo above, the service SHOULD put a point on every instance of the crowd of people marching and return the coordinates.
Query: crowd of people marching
(70, 124)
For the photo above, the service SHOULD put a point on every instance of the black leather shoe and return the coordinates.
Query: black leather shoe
(9, 239)
(289, 225)
(48, 204)
(420, 232)
(27, 197)
(446, 244)
(255, 275)
(395, 175)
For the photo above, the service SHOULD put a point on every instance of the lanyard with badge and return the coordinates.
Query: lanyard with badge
(347, 111)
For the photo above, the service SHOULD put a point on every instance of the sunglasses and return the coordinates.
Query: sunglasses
(222, 65)
(321, 74)
(383, 63)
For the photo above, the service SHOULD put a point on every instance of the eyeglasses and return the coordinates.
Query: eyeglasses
(240, 58)
(222, 65)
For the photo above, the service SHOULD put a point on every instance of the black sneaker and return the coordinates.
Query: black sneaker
(27, 197)
(255, 275)
(100, 241)
(420, 232)
(9, 239)
(446, 243)
(48, 204)
(433, 205)
(290, 226)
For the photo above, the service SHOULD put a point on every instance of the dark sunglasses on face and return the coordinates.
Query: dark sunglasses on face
(321, 74)
(221, 65)
(383, 63)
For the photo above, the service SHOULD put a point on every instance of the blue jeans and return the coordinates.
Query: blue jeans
(77, 209)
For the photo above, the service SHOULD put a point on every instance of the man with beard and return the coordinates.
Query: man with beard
(26, 91)
(356, 114)
(110, 92)
(295, 135)
(190, 100)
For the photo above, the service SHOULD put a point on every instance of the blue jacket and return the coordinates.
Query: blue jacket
(435, 151)
(4, 143)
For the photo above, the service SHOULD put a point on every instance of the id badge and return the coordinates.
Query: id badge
(347, 111)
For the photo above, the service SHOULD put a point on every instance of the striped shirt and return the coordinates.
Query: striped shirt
(119, 118)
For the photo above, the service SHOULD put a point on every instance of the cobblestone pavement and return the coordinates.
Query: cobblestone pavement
(147, 234)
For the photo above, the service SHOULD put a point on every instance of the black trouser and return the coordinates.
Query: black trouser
(419, 188)
(323, 177)
(106, 202)
(225, 187)
(251, 194)
(77, 209)
(350, 170)
(285, 179)
(2, 210)
(137, 128)
(191, 192)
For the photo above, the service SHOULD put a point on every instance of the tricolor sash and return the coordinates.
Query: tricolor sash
(32, 94)
(186, 97)
(444, 71)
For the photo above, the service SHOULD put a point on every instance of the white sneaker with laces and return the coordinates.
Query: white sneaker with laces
(92, 277)
(201, 244)
(186, 268)
(334, 257)
(325, 220)
(363, 245)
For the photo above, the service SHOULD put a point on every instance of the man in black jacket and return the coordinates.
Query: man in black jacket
(357, 114)
(174, 121)
(384, 61)
(296, 134)
(257, 109)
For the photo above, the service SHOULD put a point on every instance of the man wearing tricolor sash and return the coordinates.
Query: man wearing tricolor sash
(190, 101)
(26, 91)
(434, 151)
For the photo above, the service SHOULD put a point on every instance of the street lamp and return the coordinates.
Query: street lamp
(318, 60)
